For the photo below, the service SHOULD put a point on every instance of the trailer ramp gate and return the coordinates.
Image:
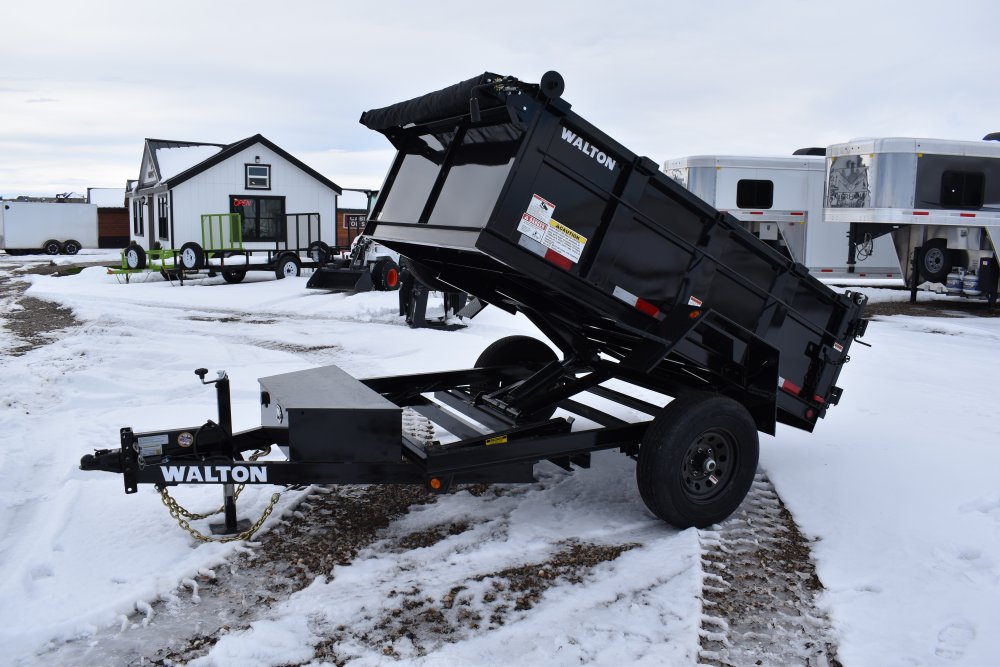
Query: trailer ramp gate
(499, 190)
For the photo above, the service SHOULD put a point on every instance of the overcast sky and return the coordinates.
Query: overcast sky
(83, 84)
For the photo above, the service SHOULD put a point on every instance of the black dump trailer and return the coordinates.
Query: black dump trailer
(501, 191)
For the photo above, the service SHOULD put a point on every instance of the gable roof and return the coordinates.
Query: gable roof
(210, 158)
(176, 156)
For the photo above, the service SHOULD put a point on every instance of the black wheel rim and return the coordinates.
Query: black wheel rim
(934, 260)
(709, 464)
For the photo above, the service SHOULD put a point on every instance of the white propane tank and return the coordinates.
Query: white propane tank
(954, 281)
(970, 284)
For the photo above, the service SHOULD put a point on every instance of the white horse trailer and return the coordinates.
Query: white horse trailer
(780, 200)
(938, 200)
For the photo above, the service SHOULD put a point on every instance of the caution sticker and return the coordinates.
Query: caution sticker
(563, 240)
(496, 440)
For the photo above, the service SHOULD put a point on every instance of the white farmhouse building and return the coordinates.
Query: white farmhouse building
(283, 203)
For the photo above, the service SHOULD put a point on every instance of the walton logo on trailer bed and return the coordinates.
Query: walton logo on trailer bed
(587, 148)
(707, 315)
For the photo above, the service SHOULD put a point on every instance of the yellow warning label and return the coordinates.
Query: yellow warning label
(563, 240)
(568, 232)
(498, 440)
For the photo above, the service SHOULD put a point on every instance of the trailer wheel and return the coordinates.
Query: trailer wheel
(319, 252)
(192, 256)
(71, 247)
(697, 460)
(52, 247)
(385, 275)
(287, 266)
(514, 350)
(233, 276)
(934, 261)
(135, 257)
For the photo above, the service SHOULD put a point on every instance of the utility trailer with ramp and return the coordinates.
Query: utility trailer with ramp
(501, 191)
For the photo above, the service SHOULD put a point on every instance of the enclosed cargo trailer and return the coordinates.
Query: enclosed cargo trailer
(50, 227)
(500, 190)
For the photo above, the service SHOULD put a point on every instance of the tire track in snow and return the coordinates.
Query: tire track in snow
(760, 590)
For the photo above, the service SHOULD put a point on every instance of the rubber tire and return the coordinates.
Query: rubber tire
(319, 252)
(514, 350)
(192, 256)
(385, 275)
(71, 247)
(663, 448)
(283, 267)
(234, 276)
(135, 257)
(935, 251)
(52, 247)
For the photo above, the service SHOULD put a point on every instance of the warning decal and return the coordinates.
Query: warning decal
(532, 227)
(564, 240)
(560, 241)
(541, 209)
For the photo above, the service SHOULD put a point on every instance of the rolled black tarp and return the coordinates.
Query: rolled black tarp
(444, 103)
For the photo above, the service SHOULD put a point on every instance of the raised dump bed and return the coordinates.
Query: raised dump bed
(529, 207)
(501, 191)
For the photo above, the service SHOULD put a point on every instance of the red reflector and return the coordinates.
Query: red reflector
(967, 215)
(819, 399)
(797, 213)
(647, 308)
(559, 260)
(863, 274)
(756, 212)
(791, 388)
(826, 270)
(920, 213)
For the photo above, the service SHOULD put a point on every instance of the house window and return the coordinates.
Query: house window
(962, 189)
(263, 217)
(161, 217)
(754, 194)
(258, 177)
(137, 226)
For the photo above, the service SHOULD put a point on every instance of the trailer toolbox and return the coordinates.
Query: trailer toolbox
(660, 306)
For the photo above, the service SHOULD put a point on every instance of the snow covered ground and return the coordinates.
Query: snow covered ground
(897, 488)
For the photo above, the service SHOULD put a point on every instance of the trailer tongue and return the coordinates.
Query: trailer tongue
(501, 191)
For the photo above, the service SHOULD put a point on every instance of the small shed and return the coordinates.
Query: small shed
(281, 200)
(112, 216)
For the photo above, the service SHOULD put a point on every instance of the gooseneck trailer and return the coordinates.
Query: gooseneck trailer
(501, 191)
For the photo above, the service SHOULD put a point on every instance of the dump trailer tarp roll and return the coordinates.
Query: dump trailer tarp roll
(451, 101)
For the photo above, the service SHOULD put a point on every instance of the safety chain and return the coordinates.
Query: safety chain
(182, 515)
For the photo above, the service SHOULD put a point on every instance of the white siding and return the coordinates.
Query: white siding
(209, 192)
